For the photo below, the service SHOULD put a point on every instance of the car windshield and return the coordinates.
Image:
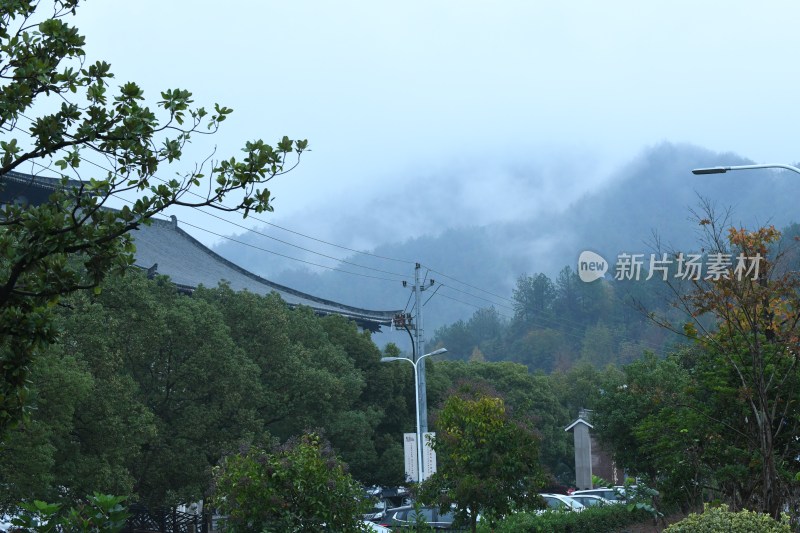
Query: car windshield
(608, 494)
(555, 503)
(427, 514)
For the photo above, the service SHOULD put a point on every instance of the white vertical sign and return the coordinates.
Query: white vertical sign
(429, 455)
(410, 449)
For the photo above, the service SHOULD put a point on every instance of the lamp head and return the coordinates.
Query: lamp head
(710, 170)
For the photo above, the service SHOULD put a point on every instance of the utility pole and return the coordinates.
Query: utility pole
(408, 323)
(419, 340)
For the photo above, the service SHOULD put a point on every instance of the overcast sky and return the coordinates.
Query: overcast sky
(409, 100)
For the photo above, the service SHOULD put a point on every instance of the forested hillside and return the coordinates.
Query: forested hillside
(563, 321)
(558, 323)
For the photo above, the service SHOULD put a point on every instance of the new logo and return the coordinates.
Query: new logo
(591, 266)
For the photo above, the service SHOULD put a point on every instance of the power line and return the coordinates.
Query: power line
(477, 297)
(286, 256)
(333, 244)
(260, 248)
(257, 219)
(560, 324)
(299, 247)
(472, 305)
(405, 309)
(469, 285)
(439, 286)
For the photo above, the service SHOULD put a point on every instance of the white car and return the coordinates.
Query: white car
(614, 494)
(590, 500)
(377, 528)
(377, 512)
(5, 522)
(561, 502)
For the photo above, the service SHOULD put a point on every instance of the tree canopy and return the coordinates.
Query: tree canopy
(147, 388)
(720, 416)
(561, 322)
(61, 118)
(299, 486)
(488, 460)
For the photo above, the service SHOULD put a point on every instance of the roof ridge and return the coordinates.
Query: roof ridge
(173, 224)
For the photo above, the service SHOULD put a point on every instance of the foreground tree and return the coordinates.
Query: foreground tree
(300, 486)
(172, 357)
(652, 414)
(757, 309)
(295, 352)
(527, 395)
(72, 242)
(144, 392)
(488, 461)
(735, 395)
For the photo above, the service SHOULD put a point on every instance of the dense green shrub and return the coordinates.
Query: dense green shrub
(605, 519)
(715, 519)
(100, 513)
(299, 486)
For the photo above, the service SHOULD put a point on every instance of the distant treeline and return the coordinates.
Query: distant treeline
(560, 322)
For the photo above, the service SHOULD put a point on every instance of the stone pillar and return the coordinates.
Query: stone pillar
(583, 452)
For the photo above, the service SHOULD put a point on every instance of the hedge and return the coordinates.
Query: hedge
(601, 519)
(720, 518)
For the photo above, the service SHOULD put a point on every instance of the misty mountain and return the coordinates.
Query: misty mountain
(477, 265)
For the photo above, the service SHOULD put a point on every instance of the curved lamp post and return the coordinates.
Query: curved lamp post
(416, 394)
(723, 170)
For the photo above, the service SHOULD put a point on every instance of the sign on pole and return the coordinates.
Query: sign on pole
(410, 451)
(429, 455)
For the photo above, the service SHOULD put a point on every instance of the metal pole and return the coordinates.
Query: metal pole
(420, 447)
(419, 431)
(420, 338)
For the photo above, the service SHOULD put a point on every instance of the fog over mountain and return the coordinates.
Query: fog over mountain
(476, 234)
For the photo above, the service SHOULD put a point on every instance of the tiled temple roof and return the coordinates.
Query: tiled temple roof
(164, 248)
(189, 264)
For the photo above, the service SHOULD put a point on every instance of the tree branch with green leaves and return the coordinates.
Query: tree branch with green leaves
(95, 143)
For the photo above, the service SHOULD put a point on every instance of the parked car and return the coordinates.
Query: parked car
(395, 496)
(5, 522)
(406, 516)
(377, 512)
(590, 500)
(614, 494)
(376, 528)
(561, 502)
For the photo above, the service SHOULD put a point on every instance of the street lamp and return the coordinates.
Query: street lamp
(723, 170)
(416, 395)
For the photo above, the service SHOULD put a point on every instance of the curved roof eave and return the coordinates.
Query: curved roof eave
(189, 264)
